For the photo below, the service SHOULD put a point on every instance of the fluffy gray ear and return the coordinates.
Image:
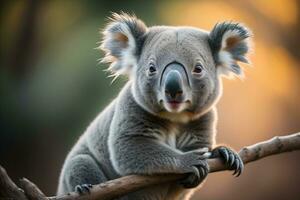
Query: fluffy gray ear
(122, 40)
(229, 43)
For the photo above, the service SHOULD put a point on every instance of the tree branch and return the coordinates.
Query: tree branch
(127, 184)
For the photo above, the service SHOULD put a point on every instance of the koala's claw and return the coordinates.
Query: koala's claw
(231, 158)
(194, 179)
(83, 189)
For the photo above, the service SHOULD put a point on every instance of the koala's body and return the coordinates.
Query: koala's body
(164, 118)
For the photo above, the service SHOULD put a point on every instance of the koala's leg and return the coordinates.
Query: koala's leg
(80, 172)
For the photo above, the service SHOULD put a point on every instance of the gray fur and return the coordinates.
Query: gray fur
(122, 25)
(136, 133)
(238, 51)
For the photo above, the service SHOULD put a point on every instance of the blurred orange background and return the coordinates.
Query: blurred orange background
(52, 87)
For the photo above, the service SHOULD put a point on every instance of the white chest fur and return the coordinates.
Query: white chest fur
(171, 139)
(175, 137)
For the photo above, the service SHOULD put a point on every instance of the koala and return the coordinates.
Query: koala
(164, 118)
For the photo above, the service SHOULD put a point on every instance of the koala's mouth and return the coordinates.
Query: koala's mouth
(175, 106)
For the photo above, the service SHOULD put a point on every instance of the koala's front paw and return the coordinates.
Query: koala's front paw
(231, 158)
(195, 178)
(196, 168)
(83, 189)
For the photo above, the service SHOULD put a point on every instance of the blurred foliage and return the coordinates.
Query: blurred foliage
(51, 85)
(58, 73)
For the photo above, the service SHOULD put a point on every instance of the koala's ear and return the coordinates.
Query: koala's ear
(229, 43)
(122, 41)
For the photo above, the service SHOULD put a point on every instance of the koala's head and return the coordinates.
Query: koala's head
(175, 71)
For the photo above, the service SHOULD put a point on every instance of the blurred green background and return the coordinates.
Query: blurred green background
(52, 87)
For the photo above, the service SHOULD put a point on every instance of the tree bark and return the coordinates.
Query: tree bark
(131, 183)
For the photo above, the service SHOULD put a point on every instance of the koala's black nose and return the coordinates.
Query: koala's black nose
(174, 82)
(173, 86)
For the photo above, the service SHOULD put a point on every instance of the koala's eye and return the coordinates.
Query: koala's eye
(151, 69)
(198, 69)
